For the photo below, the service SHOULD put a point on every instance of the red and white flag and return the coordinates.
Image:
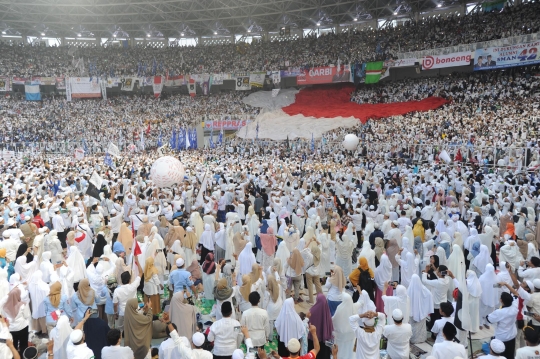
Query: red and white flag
(158, 85)
(192, 87)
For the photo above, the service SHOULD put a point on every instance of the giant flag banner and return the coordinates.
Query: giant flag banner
(373, 72)
(324, 75)
(82, 87)
(507, 56)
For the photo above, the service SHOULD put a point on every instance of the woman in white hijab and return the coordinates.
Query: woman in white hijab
(272, 222)
(197, 223)
(283, 252)
(252, 222)
(510, 253)
(46, 267)
(399, 301)
(456, 262)
(76, 263)
(421, 306)
(326, 259)
(409, 267)
(383, 274)
(489, 298)
(246, 259)
(442, 255)
(176, 249)
(282, 228)
(487, 238)
(367, 253)
(480, 262)
(24, 269)
(288, 326)
(344, 248)
(60, 334)
(344, 336)
(207, 242)
(109, 266)
(475, 291)
(504, 276)
(221, 244)
(38, 290)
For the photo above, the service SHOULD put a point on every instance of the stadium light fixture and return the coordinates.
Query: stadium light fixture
(439, 5)
(79, 35)
(42, 34)
(355, 19)
(181, 34)
(395, 13)
(215, 32)
(318, 24)
(3, 32)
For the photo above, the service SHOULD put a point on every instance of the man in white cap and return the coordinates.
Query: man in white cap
(59, 226)
(13, 231)
(496, 348)
(398, 335)
(180, 278)
(77, 348)
(368, 332)
(198, 352)
(11, 245)
(123, 293)
(115, 222)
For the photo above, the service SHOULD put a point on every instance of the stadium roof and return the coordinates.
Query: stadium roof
(172, 18)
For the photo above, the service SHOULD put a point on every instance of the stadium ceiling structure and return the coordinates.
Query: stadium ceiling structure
(176, 18)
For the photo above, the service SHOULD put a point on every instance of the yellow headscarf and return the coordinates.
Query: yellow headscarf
(149, 269)
(418, 230)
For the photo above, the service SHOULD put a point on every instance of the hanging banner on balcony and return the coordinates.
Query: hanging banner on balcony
(507, 56)
(449, 60)
(324, 75)
(82, 87)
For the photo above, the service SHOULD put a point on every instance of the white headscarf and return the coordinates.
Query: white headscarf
(471, 239)
(365, 303)
(38, 290)
(441, 227)
(4, 284)
(283, 252)
(341, 317)
(510, 253)
(442, 256)
(408, 269)
(367, 253)
(24, 269)
(46, 267)
(399, 301)
(486, 238)
(60, 334)
(482, 259)
(490, 295)
(246, 259)
(207, 238)
(282, 226)
(383, 273)
(473, 284)
(420, 299)
(76, 263)
(456, 262)
(288, 323)
(220, 236)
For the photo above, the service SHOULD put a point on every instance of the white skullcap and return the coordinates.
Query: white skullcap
(497, 346)
(397, 314)
(76, 336)
(198, 339)
(368, 322)
(180, 262)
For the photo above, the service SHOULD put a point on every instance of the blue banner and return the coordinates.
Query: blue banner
(507, 56)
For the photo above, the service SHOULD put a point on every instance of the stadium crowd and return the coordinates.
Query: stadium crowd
(356, 46)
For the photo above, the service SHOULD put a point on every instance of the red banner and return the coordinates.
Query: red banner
(324, 75)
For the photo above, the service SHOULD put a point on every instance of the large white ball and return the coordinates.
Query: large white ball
(167, 171)
(350, 142)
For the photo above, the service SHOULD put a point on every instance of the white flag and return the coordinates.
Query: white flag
(113, 150)
(199, 201)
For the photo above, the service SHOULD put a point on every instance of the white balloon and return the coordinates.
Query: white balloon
(350, 142)
(167, 171)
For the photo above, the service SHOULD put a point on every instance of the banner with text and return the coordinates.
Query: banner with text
(60, 83)
(324, 75)
(242, 81)
(507, 56)
(450, 60)
(82, 87)
(225, 125)
(400, 62)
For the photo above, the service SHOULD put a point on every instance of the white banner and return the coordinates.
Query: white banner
(78, 154)
(242, 83)
(68, 89)
(276, 76)
(82, 87)
(400, 63)
(256, 79)
(450, 60)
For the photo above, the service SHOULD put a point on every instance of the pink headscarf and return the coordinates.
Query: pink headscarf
(269, 242)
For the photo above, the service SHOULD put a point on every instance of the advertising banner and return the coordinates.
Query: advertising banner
(507, 56)
(292, 72)
(450, 60)
(225, 124)
(324, 75)
(242, 82)
(174, 81)
(83, 87)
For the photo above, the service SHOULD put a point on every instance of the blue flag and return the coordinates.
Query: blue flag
(108, 161)
(181, 139)
(212, 136)
(160, 140)
(312, 143)
(220, 138)
(85, 147)
(172, 142)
